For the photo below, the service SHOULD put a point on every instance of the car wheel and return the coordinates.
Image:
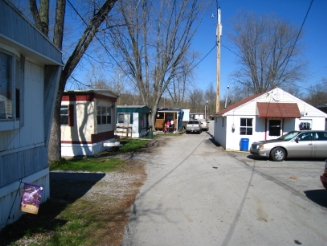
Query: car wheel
(278, 154)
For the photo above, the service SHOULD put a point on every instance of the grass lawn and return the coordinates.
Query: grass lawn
(69, 218)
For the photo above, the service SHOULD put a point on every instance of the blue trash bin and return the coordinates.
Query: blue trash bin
(244, 144)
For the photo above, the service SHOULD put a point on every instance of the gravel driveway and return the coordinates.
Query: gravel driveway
(198, 194)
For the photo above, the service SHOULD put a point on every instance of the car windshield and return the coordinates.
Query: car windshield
(288, 136)
(193, 122)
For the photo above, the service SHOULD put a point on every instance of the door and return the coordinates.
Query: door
(274, 129)
(303, 147)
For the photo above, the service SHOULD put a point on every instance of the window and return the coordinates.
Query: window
(67, 115)
(160, 115)
(320, 136)
(124, 118)
(246, 126)
(305, 126)
(103, 115)
(6, 85)
(307, 136)
(64, 115)
(274, 128)
(9, 87)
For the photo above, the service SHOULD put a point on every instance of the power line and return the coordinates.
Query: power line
(203, 57)
(298, 35)
(100, 41)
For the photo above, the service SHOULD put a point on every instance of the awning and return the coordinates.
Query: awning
(278, 110)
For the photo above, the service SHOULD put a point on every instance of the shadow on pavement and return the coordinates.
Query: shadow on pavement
(317, 196)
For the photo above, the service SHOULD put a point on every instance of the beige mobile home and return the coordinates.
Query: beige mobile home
(88, 121)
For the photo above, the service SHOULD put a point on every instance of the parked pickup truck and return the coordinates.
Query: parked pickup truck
(193, 126)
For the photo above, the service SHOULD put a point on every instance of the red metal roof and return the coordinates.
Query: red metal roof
(278, 110)
(239, 103)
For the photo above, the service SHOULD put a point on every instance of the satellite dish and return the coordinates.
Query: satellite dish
(277, 95)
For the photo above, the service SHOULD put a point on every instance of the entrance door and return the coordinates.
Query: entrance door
(274, 129)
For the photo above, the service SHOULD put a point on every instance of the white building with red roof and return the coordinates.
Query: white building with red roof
(262, 117)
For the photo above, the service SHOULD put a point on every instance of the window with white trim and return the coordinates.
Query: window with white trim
(10, 87)
(246, 126)
(64, 115)
(103, 115)
(124, 118)
(67, 115)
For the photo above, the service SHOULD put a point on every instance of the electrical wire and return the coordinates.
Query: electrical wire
(298, 35)
(112, 57)
(203, 57)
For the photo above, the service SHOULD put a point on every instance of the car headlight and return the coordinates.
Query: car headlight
(260, 146)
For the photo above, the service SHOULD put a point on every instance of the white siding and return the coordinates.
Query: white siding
(84, 122)
(231, 140)
(32, 132)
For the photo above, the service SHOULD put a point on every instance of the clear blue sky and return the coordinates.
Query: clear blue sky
(293, 11)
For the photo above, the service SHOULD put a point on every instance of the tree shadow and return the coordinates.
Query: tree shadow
(66, 188)
(317, 196)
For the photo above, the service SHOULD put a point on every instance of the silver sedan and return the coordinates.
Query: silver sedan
(308, 144)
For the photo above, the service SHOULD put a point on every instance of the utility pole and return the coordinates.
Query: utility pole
(218, 34)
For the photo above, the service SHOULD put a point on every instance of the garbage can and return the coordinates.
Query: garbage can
(244, 144)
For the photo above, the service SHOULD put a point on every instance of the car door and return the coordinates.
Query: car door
(320, 144)
(302, 147)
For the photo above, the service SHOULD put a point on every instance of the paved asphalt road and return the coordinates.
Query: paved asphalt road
(198, 194)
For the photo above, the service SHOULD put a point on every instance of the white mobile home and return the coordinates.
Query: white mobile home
(264, 116)
(30, 68)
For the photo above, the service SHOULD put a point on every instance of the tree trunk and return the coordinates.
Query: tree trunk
(54, 148)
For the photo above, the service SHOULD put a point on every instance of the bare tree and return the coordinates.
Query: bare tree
(269, 52)
(196, 101)
(317, 95)
(210, 99)
(154, 42)
(92, 27)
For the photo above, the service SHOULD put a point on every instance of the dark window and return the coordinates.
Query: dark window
(6, 69)
(246, 126)
(103, 115)
(160, 115)
(320, 136)
(17, 103)
(274, 128)
(307, 136)
(64, 115)
(120, 118)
